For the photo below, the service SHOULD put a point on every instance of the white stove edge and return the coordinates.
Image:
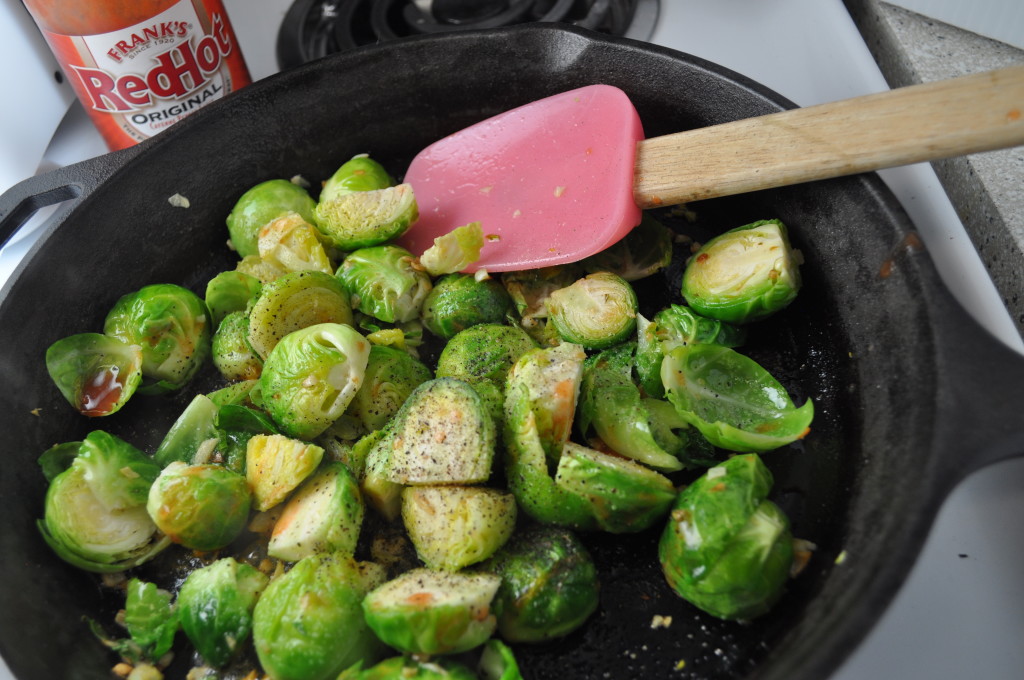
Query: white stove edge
(810, 51)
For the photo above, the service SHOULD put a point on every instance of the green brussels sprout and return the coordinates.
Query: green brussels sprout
(452, 527)
(295, 301)
(230, 291)
(383, 495)
(743, 275)
(624, 496)
(390, 377)
(95, 510)
(454, 251)
(673, 434)
(612, 409)
(408, 668)
(215, 604)
(645, 250)
(172, 325)
(308, 623)
(526, 465)
(385, 282)
(597, 311)
(673, 327)
(232, 354)
(292, 244)
(428, 612)
(549, 380)
(261, 204)
(459, 301)
(482, 356)
(361, 173)
(735, 403)
(202, 507)
(275, 465)
(361, 219)
(549, 585)
(323, 516)
(194, 431)
(726, 549)
(442, 434)
(311, 376)
(498, 662)
(96, 373)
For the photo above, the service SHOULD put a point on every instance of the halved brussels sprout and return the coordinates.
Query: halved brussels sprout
(612, 409)
(453, 527)
(549, 381)
(385, 282)
(455, 250)
(230, 291)
(597, 311)
(486, 351)
(291, 243)
(646, 249)
(743, 275)
(549, 585)
(308, 624)
(232, 354)
(361, 173)
(95, 510)
(261, 204)
(323, 516)
(295, 301)
(459, 301)
(172, 325)
(735, 403)
(726, 549)
(194, 430)
(442, 434)
(275, 465)
(96, 373)
(202, 507)
(624, 496)
(672, 433)
(429, 612)
(673, 327)
(390, 377)
(361, 219)
(311, 375)
(215, 605)
(408, 668)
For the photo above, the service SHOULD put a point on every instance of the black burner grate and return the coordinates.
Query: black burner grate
(315, 28)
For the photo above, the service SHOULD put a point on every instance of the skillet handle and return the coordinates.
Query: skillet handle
(981, 398)
(71, 184)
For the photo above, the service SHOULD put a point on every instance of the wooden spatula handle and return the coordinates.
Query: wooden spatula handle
(918, 123)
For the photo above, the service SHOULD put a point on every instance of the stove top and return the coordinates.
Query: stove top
(315, 28)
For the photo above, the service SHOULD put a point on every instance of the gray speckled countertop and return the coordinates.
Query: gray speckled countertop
(986, 189)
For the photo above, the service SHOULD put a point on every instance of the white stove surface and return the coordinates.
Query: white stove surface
(961, 612)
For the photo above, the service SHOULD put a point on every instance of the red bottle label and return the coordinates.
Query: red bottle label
(136, 81)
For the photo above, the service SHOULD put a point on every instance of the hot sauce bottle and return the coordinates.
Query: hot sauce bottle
(139, 66)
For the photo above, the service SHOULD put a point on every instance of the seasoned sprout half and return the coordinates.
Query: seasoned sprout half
(232, 354)
(292, 302)
(367, 218)
(549, 585)
(172, 326)
(96, 373)
(431, 612)
(726, 549)
(596, 312)
(275, 465)
(734, 402)
(385, 282)
(202, 507)
(261, 204)
(743, 275)
(311, 376)
(95, 511)
(292, 244)
(459, 301)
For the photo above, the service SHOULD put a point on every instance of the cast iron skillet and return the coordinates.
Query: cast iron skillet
(911, 394)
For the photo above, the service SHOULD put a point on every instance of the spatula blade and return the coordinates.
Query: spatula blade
(550, 182)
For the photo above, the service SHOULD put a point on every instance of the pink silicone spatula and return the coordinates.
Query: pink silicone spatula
(566, 176)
